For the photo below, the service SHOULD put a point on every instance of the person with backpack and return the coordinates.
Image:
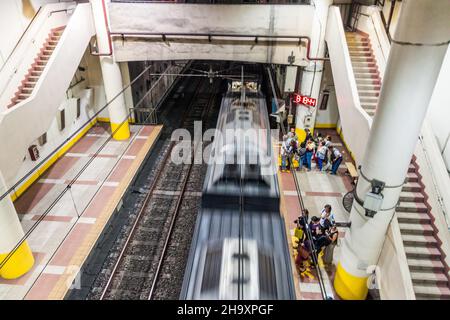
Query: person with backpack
(337, 159)
(310, 146)
(291, 152)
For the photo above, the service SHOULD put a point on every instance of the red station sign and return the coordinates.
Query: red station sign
(299, 99)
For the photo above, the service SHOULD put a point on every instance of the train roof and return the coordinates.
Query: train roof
(214, 235)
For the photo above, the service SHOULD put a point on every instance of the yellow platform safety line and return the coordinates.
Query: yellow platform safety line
(39, 172)
(20, 262)
(350, 287)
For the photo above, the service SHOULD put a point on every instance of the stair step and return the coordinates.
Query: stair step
(363, 75)
(431, 292)
(412, 207)
(370, 112)
(361, 59)
(369, 93)
(368, 99)
(412, 177)
(419, 240)
(421, 265)
(413, 217)
(368, 87)
(369, 106)
(406, 196)
(359, 54)
(429, 278)
(415, 228)
(26, 90)
(411, 168)
(359, 46)
(35, 73)
(422, 253)
(412, 187)
(29, 84)
(363, 64)
(23, 95)
(370, 70)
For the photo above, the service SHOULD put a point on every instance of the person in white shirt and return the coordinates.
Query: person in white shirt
(337, 159)
(326, 214)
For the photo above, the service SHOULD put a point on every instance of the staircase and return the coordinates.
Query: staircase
(422, 245)
(32, 77)
(365, 70)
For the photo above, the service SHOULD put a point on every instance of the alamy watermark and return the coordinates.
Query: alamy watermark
(230, 146)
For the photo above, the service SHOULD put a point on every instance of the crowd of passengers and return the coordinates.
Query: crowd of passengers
(313, 148)
(324, 236)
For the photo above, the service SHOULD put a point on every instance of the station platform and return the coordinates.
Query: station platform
(65, 236)
(317, 190)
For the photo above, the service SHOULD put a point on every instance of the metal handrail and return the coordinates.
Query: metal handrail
(303, 209)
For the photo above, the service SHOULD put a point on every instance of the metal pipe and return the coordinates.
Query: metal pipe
(257, 38)
(108, 34)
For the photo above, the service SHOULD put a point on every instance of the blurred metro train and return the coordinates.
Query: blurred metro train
(239, 248)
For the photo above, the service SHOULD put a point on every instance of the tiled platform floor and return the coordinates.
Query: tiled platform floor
(64, 237)
(318, 189)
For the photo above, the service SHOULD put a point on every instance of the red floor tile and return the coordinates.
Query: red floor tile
(84, 144)
(100, 201)
(43, 286)
(135, 147)
(84, 182)
(120, 170)
(146, 131)
(60, 168)
(30, 198)
(292, 208)
(53, 218)
(287, 181)
(311, 296)
(70, 245)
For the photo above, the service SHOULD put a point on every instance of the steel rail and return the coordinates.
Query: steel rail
(178, 206)
(144, 206)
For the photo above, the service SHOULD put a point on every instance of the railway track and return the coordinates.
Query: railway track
(150, 264)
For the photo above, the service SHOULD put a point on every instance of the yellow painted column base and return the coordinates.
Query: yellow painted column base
(18, 264)
(122, 133)
(349, 287)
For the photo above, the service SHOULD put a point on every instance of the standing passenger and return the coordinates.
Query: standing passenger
(321, 154)
(337, 159)
(309, 152)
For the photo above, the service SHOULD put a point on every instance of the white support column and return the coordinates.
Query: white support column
(11, 232)
(418, 48)
(312, 74)
(112, 77)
